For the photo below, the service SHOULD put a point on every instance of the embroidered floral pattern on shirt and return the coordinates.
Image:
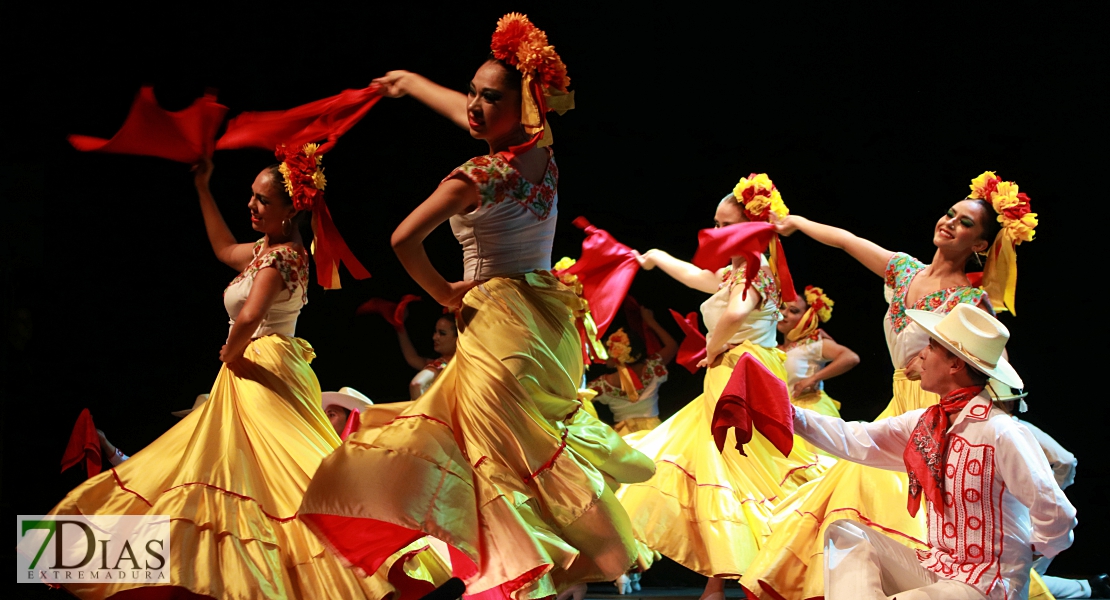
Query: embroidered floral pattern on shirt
(653, 368)
(292, 265)
(498, 181)
(900, 272)
(764, 284)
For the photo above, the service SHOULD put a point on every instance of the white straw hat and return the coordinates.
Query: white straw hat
(201, 399)
(974, 335)
(348, 398)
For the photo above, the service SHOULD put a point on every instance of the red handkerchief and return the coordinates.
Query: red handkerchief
(392, 312)
(692, 348)
(606, 270)
(84, 444)
(716, 247)
(150, 130)
(754, 397)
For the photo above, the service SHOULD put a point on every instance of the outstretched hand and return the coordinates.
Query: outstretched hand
(647, 259)
(785, 226)
(202, 172)
(393, 83)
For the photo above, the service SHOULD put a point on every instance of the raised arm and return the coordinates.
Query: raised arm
(878, 444)
(841, 360)
(412, 357)
(868, 253)
(670, 346)
(228, 251)
(445, 101)
(682, 271)
(264, 291)
(452, 197)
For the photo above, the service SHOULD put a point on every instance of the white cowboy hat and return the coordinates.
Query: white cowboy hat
(974, 335)
(348, 398)
(201, 399)
(1002, 392)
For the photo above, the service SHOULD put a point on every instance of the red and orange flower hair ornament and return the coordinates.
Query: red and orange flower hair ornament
(759, 199)
(819, 311)
(304, 177)
(544, 81)
(1019, 225)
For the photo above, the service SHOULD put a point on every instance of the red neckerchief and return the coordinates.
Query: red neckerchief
(928, 445)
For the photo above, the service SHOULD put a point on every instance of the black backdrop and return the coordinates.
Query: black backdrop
(870, 118)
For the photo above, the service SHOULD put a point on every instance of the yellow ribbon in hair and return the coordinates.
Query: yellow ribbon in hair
(627, 384)
(805, 327)
(531, 116)
(1000, 272)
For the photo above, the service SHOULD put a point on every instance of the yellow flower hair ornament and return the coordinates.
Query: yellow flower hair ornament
(592, 348)
(819, 311)
(620, 349)
(1019, 225)
(544, 81)
(759, 198)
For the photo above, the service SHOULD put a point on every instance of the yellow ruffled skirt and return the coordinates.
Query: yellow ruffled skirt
(231, 475)
(706, 509)
(821, 403)
(497, 458)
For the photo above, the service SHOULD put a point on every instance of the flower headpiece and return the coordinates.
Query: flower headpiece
(1018, 225)
(544, 81)
(304, 177)
(819, 311)
(759, 198)
(620, 348)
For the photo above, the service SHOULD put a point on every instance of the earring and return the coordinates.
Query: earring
(285, 226)
(977, 259)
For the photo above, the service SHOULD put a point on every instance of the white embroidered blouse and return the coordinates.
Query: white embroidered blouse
(1001, 500)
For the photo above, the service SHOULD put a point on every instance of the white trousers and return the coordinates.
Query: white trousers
(1058, 586)
(863, 564)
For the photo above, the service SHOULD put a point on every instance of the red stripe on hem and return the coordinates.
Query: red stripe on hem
(420, 416)
(863, 519)
(239, 496)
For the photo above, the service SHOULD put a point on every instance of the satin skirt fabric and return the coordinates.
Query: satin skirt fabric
(821, 403)
(706, 509)
(231, 475)
(792, 561)
(497, 458)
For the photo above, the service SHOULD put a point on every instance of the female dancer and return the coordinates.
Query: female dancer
(444, 339)
(497, 459)
(812, 356)
(231, 474)
(791, 562)
(704, 508)
(626, 351)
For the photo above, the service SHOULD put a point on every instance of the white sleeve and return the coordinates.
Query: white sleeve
(1063, 463)
(1028, 478)
(878, 444)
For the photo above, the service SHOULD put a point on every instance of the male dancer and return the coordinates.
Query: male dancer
(992, 502)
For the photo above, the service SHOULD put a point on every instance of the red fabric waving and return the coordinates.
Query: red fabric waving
(782, 271)
(753, 396)
(716, 247)
(636, 322)
(392, 312)
(353, 423)
(184, 136)
(692, 348)
(328, 118)
(84, 444)
(606, 270)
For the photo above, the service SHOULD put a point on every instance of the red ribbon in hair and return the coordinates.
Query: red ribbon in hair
(692, 349)
(328, 118)
(541, 103)
(150, 130)
(753, 396)
(928, 447)
(606, 270)
(84, 444)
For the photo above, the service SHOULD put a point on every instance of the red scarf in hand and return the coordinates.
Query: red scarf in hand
(928, 448)
(692, 349)
(84, 445)
(753, 396)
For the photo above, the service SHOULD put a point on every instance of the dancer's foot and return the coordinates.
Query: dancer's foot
(714, 589)
(574, 592)
(624, 584)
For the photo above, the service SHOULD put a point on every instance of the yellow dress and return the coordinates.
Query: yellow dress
(791, 564)
(804, 358)
(707, 509)
(497, 459)
(231, 475)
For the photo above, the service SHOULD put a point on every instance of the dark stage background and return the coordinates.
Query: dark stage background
(870, 118)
